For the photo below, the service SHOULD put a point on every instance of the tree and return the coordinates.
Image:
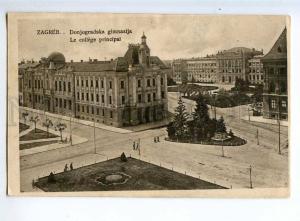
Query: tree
(180, 121)
(24, 116)
(171, 130)
(48, 123)
(201, 120)
(61, 127)
(221, 128)
(34, 120)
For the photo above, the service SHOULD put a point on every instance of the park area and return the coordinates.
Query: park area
(120, 175)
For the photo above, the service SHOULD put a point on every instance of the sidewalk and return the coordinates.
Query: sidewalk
(75, 140)
(260, 119)
(76, 120)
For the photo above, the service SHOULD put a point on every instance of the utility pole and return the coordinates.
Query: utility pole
(257, 136)
(71, 141)
(223, 148)
(95, 150)
(279, 149)
(250, 173)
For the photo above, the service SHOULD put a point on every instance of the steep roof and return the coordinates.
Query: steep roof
(279, 49)
(28, 65)
(156, 60)
(132, 54)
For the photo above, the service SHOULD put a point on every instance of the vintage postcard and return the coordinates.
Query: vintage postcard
(154, 105)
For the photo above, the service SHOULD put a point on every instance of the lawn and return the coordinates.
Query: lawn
(23, 127)
(135, 175)
(36, 144)
(39, 134)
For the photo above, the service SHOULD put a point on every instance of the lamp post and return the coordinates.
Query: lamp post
(250, 177)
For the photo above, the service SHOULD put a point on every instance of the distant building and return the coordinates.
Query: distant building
(202, 69)
(233, 64)
(128, 90)
(179, 70)
(256, 72)
(275, 96)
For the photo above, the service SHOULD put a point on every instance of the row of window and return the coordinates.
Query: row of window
(63, 103)
(232, 70)
(91, 84)
(61, 86)
(274, 104)
(256, 77)
(92, 110)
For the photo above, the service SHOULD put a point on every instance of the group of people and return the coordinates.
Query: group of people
(156, 139)
(136, 145)
(67, 168)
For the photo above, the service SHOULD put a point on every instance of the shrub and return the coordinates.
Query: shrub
(123, 157)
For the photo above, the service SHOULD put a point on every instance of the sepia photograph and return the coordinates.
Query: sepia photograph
(103, 104)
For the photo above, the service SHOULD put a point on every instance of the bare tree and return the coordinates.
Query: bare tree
(61, 127)
(48, 123)
(34, 120)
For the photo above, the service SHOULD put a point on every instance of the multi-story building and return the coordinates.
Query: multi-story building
(179, 70)
(275, 96)
(202, 69)
(233, 64)
(128, 90)
(256, 72)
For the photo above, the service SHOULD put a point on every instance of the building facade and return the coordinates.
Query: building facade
(275, 96)
(233, 64)
(256, 73)
(125, 91)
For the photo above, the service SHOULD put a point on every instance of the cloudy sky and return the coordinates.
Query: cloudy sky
(168, 36)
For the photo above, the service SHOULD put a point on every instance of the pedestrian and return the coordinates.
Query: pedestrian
(71, 166)
(33, 183)
(133, 145)
(157, 139)
(154, 139)
(66, 168)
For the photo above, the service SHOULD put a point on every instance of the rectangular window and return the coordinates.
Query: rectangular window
(82, 96)
(86, 83)
(78, 96)
(148, 83)
(153, 81)
(283, 103)
(110, 84)
(69, 86)
(82, 84)
(59, 85)
(64, 86)
(102, 84)
(273, 104)
(60, 102)
(87, 96)
(77, 82)
(92, 97)
(139, 98)
(139, 83)
(70, 104)
(162, 94)
(149, 97)
(39, 84)
(123, 99)
(65, 103)
(110, 100)
(154, 96)
(97, 97)
(122, 84)
(111, 114)
(56, 102)
(162, 81)
(102, 98)
(82, 109)
(92, 83)
(98, 111)
(92, 108)
(97, 82)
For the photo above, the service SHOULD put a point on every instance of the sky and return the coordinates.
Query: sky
(168, 36)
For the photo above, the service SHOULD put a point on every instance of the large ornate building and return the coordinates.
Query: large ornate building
(233, 64)
(128, 90)
(275, 96)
